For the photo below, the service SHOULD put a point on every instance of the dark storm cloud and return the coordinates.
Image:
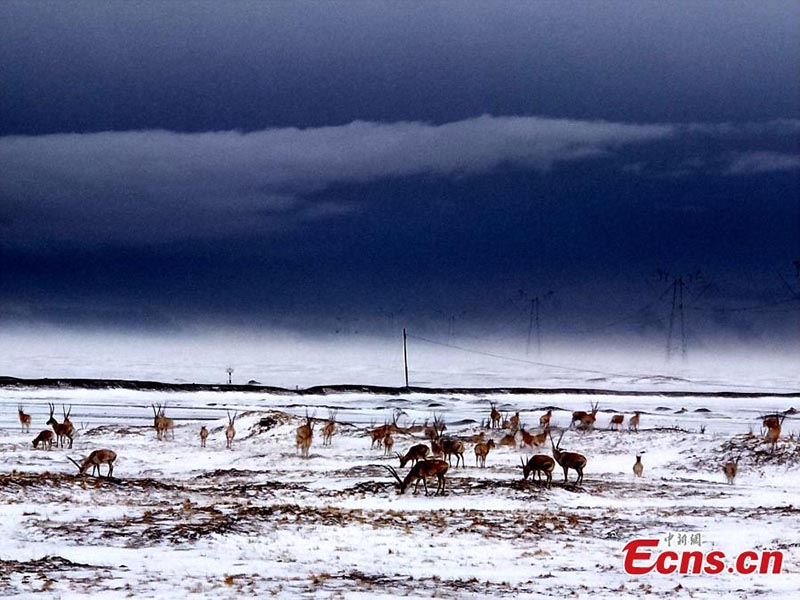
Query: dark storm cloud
(154, 186)
(89, 66)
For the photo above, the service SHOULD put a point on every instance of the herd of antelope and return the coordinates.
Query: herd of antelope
(428, 460)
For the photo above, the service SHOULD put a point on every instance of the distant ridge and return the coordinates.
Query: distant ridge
(317, 390)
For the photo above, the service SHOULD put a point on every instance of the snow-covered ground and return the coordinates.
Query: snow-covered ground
(180, 521)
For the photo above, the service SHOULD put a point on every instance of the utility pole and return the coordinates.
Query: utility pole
(671, 321)
(677, 310)
(405, 353)
(684, 352)
(229, 371)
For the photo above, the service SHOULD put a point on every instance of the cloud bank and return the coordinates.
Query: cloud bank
(147, 186)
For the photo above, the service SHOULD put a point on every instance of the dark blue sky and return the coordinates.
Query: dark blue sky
(324, 166)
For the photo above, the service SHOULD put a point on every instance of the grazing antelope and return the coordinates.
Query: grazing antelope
(731, 468)
(230, 430)
(544, 420)
(538, 464)
(95, 459)
(203, 436)
(494, 417)
(45, 438)
(616, 421)
(530, 439)
(388, 443)
(509, 439)
(423, 470)
(585, 419)
(481, 451)
(304, 435)
(330, 428)
(774, 431)
(633, 422)
(453, 447)
(568, 460)
(62, 430)
(415, 453)
(638, 467)
(24, 420)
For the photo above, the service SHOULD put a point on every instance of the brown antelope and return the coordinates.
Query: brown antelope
(436, 448)
(203, 436)
(568, 460)
(45, 438)
(513, 422)
(388, 443)
(769, 422)
(94, 460)
(481, 451)
(544, 420)
(633, 422)
(530, 439)
(423, 470)
(24, 420)
(162, 423)
(415, 453)
(452, 447)
(304, 435)
(62, 430)
(230, 430)
(538, 464)
(509, 439)
(616, 421)
(378, 434)
(476, 438)
(585, 419)
(774, 431)
(731, 468)
(638, 467)
(330, 428)
(494, 417)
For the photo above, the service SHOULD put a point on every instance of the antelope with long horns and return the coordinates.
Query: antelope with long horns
(94, 460)
(415, 453)
(494, 417)
(586, 419)
(230, 430)
(304, 435)
(481, 451)
(568, 460)
(330, 427)
(538, 464)
(24, 420)
(423, 470)
(63, 430)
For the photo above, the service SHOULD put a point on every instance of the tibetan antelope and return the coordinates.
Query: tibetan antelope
(616, 421)
(203, 436)
(453, 447)
(481, 450)
(94, 460)
(45, 438)
(494, 417)
(538, 464)
(388, 443)
(513, 422)
(330, 428)
(544, 420)
(230, 430)
(638, 467)
(161, 423)
(774, 431)
(24, 420)
(509, 439)
(304, 435)
(415, 453)
(633, 422)
(423, 470)
(585, 420)
(731, 468)
(530, 439)
(568, 460)
(62, 430)
(769, 422)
